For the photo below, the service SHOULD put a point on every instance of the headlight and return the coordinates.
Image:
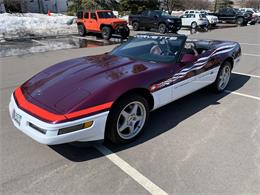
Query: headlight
(170, 20)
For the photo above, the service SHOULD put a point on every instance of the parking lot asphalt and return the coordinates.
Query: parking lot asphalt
(204, 143)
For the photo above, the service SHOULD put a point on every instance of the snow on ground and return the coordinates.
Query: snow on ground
(177, 13)
(32, 24)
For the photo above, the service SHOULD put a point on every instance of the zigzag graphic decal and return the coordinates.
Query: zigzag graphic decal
(196, 66)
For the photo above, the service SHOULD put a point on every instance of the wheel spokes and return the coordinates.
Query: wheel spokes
(134, 109)
(131, 129)
(123, 126)
(224, 77)
(125, 114)
(131, 120)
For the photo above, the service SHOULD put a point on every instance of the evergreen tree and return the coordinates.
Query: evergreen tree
(135, 6)
(75, 5)
(220, 4)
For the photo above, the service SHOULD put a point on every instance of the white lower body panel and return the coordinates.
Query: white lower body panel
(183, 88)
(50, 136)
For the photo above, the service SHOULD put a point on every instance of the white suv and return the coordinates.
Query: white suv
(194, 20)
(213, 20)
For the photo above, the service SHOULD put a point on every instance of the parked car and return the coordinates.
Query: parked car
(232, 15)
(213, 20)
(155, 19)
(101, 21)
(109, 96)
(255, 14)
(194, 20)
(253, 10)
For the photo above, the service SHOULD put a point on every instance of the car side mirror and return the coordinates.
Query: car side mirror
(186, 58)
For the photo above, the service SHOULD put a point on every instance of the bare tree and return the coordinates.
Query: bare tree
(252, 4)
(196, 4)
(171, 5)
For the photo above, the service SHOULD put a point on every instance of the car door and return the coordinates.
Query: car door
(184, 20)
(193, 75)
(153, 19)
(187, 83)
(230, 15)
(86, 20)
(93, 22)
(222, 15)
(189, 19)
(145, 19)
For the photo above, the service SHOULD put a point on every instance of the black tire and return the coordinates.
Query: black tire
(135, 26)
(81, 30)
(106, 32)
(194, 25)
(162, 28)
(114, 118)
(216, 85)
(240, 21)
(126, 34)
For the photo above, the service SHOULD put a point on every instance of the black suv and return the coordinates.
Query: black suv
(232, 15)
(155, 19)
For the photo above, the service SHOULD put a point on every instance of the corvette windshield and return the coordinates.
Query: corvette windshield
(151, 48)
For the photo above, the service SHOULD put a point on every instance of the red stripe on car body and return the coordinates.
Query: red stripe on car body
(55, 118)
(89, 110)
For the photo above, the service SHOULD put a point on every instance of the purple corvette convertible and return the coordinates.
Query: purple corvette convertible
(110, 96)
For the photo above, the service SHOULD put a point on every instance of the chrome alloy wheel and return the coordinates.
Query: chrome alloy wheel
(224, 77)
(131, 120)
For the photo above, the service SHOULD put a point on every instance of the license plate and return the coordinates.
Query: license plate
(17, 117)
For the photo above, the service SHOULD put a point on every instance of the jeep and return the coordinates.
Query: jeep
(101, 21)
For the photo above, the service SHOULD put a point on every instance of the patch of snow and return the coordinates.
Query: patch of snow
(177, 13)
(33, 24)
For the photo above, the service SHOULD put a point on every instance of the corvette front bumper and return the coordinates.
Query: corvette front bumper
(47, 133)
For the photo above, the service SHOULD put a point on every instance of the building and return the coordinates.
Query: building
(2, 6)
(37, 6)
(42, 6)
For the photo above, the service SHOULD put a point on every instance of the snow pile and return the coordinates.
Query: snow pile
(177, 13)
(32, 24)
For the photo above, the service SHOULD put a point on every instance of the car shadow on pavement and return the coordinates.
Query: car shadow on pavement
(161, 120)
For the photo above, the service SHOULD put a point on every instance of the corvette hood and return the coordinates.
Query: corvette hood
(64, 85)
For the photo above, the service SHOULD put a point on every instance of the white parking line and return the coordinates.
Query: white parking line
(249, 44)
(242, 94)
(250, 75)
(249, 54)
(88, 38)
(132, 172)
